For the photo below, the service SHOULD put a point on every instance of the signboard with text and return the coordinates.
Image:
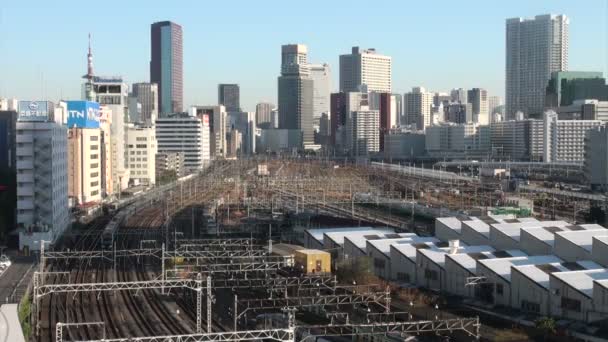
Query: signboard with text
(83, 114)
(35, 110)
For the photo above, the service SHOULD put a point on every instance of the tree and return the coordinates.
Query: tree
(546, 325)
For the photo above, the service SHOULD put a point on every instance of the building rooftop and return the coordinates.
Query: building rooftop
(502, 267)
(583, 238)
(360, 241)
(546, 233)
(409, 250)
(438, 255)
(368, 234)
(540, 273)
(453, 223)
(582, 281)
(311, 251)
(317, 234)
(384, 246)
(469, 261)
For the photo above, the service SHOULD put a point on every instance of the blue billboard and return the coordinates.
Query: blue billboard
(35, 110)
(83, 114)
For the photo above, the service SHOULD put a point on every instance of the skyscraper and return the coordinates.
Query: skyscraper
(263, 111)
(295, 92)
(228, 95)
(535, 48)
(147, 95)
(365, 67)
(321, 76)
(478, 98)
(417, 107)
(458, 95)
(166, 68)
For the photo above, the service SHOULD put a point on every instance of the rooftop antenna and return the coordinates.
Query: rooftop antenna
(89, 89)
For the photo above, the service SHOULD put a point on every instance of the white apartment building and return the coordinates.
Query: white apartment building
(321, 88)
(42, 176)
(478, 98)
(362, 132)
(365, 67)
(84, 165)
(184, 134)
(457, 140)
(218, 123)
(417, 107)
(141, 148)
(517, 140)
(564, 140)
(535, 48)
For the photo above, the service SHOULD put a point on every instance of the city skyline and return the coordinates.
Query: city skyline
(209, 59)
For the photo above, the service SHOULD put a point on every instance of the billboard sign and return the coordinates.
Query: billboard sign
(35, 110)
(83, 114)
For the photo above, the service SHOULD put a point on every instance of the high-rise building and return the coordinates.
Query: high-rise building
(584, 110)
(295, 92)
(185, 134)
(84, 153)
(9, 104)
(518, 140)
(166, 66)
(458, 95)
(535, 48)
(417, 107)
(564, 140)
(142, 147)
(365, 67)
(8, 123)
(494, 104)
(397, 109)
(105, 125)
(565, 87)
(244, 122)
(146, 94)
(263, 112)
(229, 96)
(441, 98)
(478, 98)
(338, 114)
(596, 158)
(218, 125)
(321, 77)
(362, 130)
(458, 113)
(42, 174)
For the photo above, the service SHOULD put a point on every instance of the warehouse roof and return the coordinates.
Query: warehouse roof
(502, 267)
(370, 234)
(453, 223)
(409, 250)
(582, 281)
(479, 226)
(540, 273)
(583, 238)
(469, 261)
(602, 239)
(317, 234)
(438, 255)
(384, 246)
(546, 233)
(360, 240)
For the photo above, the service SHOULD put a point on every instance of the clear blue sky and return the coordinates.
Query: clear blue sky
(437, 44)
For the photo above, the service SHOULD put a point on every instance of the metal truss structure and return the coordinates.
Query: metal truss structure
(281, 335)
(253, 266)
(215, 242)
(468, 325)
(272, 283)
(59, 328)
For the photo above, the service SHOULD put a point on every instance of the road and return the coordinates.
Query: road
(12, 281)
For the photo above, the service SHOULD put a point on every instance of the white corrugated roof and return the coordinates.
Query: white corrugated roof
(478, 226)
(360, 240)
(317, 234)
(583, 238)
(542, 278)
(582, 280)
(468, 262)
(502, 267)
(384, 245)
(451, 222)
(338, 237)
(438, 255)
(409, 249)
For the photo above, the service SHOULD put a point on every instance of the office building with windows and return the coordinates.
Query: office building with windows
(229, 96)
(365, 67)
(184, 134)
(166, 66)
(146, 95)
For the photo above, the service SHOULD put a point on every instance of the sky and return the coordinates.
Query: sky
(437, 44)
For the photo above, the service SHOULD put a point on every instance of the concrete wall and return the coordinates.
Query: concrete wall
(311, 242)
(557, 290)
(501, 241)
(569, 251)
(472, 237)
(429, 274)
(533, 246)
(351, 250)
(444, 233)
(493, 278)
(524, 289)
(401, 265)
(456, 278)
(378, 259)
(599, 252)
(600, 301)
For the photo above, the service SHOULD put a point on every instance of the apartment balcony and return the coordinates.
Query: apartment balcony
(26, 204)
(27, 164)
(24, 151)
(24, 138)
(26, 190)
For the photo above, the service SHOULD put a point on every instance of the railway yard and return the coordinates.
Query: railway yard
(194, 261)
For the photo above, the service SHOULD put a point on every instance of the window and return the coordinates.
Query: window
(94, 147)
(94, 156)
(430, 274)
(141, 146)
(379, 263)
(499, 289)
(571, 304)
(530, 306)
(95, 183)
(94, 165)
(401, 276)
(141, 139)
(94, 193)
(94, 174)
(94, 138)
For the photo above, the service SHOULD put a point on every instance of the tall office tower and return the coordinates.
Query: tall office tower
(478, 98)
(365, 67)
(263, 118)
(387, 118)
(459, 113)
(146, 94)
(565, 87)
(185, 134)
(142, 147)
(321, 77)
(166, 66)
(494, 104)
(229, 96)
(244, 122)
(458, 95)
(112, 93)
(84, 153)
(218, 124)
(417, 107)
(295, 92)
(42, 174)
(535, 48)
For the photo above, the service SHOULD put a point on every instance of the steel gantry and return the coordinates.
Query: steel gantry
(252, 266)
(280, 335)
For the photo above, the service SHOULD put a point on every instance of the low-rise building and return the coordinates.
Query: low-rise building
(571, 294)
(170, 161)
(404, 145)
(141, 148)
(356, 246)
(403, 260)
(380, 252)
(599, 250)
(313, 238)
(576, 245)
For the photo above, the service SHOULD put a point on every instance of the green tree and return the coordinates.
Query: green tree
(546, 325)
